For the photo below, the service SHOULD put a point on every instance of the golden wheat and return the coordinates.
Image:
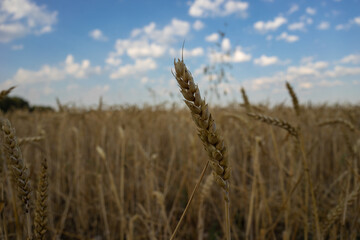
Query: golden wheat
(19, 171)
(276, 122)
(344, 122)
(40, 218)
(4, 93)
(294, 98)
(208, 133)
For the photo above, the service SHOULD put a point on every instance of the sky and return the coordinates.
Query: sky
(123, 50)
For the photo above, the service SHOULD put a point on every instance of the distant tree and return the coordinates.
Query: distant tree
(38, 108)
(12, 103)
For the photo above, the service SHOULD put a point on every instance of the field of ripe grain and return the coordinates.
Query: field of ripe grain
(128, 174)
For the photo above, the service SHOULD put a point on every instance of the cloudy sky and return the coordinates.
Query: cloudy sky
(123, 50)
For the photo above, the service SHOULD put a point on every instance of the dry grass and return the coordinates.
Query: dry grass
(128, 174)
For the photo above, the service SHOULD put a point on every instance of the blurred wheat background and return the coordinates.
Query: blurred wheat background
(127, 173)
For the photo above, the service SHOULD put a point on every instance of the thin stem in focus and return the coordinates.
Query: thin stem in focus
(190, 200)
(227, 218)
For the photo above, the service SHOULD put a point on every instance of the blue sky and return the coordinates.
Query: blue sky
(123, 50)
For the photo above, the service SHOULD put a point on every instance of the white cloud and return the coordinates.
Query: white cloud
(288, 38)
(302, 70)
(323, 25)
(237, 56)
(266, 61)
(69, 68)
(217, 8)
(305, 85)
(352, 58)
(98, 35)
(212, 37)
(269, 37)
(240, 56)
(347, 26)
(307, 75)
(340, 71)
(311, 11)
(46, 29)
(357, 20)
(113, 60)
(22, 17)
(263, 82)
(318, 65)
(145, 44)
(326, 83)
(79, 70)
(342, 26)
(195, 52)
(297, 26)
(140, 66)
(144, 80)
(293, 9)
(148, 41)
(225, 45)
(269, 25)
(199, 70)
(17, 47)
(310, 68)
(139, 48)
(169, 34)
(198, 25)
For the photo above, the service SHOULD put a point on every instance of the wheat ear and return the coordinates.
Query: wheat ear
(209, 135)
(276, 122)
(344, 122)
(25, 140)
(294, 98)
(4, 93)
(40, 223)
(335, 213)
(245, 100)
(19, 171)
(293, 131)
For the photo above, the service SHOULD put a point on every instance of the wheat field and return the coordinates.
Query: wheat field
(128, 172)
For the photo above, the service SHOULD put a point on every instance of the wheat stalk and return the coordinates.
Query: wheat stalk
(276, 122)
(245, 100)
(113, 187)
(209, 135)
(4, 93)
(335, 213)
(205, 191)
(344, 122)
(294, 132)
(294, 98)
(25, 140)
(19, 171)
(40, 223)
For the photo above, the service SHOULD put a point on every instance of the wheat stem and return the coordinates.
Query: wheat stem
(20, 174)
(190, 200)
(40, 223)
(209, 135)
